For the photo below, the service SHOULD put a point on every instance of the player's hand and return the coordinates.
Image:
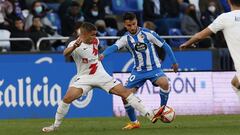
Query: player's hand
(175, 67)
(100, 57)
(78, 42)
(183, 46)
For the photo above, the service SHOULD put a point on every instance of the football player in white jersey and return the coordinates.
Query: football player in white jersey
(229, 23)
(90, 74)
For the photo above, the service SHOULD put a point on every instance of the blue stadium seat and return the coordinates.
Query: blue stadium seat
(177, 41)
(55, 20)
(121, 6)
(163, 25)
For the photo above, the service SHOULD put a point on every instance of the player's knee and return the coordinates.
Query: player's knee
(165, 86)
(235, 82)
(68, 99)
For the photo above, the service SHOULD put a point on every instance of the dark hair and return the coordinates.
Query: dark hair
(36, 16)
(17, 19)
(75, 4)
(88, 27)
(129, 16)
(235, 2)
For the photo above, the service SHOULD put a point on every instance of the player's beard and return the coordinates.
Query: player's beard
(134, 31)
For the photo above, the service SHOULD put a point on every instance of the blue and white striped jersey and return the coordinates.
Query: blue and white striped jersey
(141, 46)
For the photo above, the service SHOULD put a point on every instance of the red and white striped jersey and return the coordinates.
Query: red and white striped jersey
(86, 58)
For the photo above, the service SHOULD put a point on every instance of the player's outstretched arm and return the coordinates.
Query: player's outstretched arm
(108, 51)
(196, 38)
(69, 50)
(170, 53)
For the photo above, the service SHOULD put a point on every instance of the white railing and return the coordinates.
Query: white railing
(66, 38)
(103, 37)
(19, 39)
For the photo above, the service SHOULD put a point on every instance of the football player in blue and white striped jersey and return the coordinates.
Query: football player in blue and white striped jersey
(147, 65)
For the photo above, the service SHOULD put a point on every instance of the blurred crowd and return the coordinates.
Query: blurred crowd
(35, 19)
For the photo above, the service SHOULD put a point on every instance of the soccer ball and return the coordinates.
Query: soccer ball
(168, 115)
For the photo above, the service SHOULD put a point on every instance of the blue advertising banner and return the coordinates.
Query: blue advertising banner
(33, 91)
(32, 58)
(121, 61)
(188, 61)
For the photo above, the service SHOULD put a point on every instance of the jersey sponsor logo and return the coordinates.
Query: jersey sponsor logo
(140, 47)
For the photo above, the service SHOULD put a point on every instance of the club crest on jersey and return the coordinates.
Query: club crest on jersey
(140, 47)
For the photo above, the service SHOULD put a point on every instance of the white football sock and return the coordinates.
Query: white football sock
(136, 103)
(62, 110)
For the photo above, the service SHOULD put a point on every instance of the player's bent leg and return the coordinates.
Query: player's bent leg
(63, 107)
(136, 103)
(131, 114)
(72, 94)
(163, 83)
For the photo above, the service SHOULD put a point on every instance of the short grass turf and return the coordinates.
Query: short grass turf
(183, 125)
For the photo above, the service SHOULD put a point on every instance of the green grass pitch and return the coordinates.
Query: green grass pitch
(183, 125)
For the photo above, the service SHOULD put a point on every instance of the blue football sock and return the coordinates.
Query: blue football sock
(131, 113)
(164, 97)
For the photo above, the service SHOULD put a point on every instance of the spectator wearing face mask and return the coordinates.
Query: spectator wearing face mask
(101, 31)
(93, 10)
(190, 22)
(39, 10)
(203, 5)
(210, 14)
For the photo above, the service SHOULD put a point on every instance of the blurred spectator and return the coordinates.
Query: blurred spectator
(210, 14)
(190, 22)
(203, 5)
(6, 9)
(37, 31)
(101, 31)
(225, 5)
(73, 15)
(183, 5)
(39, 10)
(74, 36)
(170, 8)
(150, 25)
(63, 8)
(93, 10)
(207, 18)
(160, 51)
(18, 7)
(151, 10)
(19, 32)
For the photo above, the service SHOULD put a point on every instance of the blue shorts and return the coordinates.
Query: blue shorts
(137, 79)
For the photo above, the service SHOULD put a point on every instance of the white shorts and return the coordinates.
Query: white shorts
(88, 82)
